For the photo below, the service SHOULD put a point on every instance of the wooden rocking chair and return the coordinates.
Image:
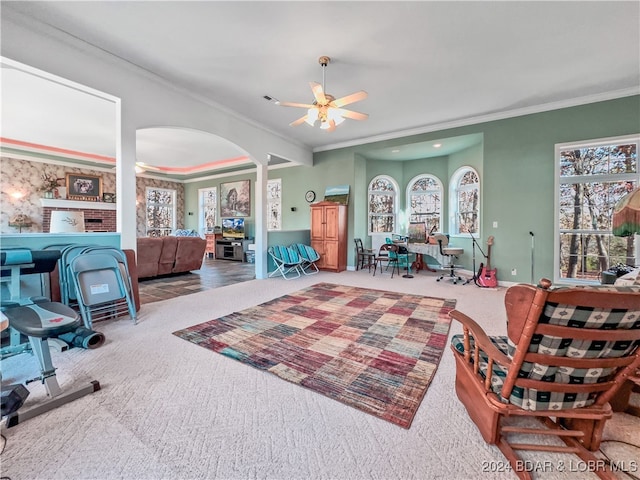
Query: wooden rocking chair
(567, 352)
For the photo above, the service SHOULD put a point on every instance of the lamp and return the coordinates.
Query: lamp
(20, 220)
(66, 222)
(626, 215)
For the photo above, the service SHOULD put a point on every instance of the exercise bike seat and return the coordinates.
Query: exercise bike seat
(43, 319)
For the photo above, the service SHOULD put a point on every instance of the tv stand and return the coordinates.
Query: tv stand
(231, 249)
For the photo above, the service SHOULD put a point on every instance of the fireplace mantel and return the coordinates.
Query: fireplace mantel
(58, 203)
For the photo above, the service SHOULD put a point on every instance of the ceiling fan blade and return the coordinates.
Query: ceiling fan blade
(318, 93)
(352, 115)
(146, 166)
(354, 97)
(298, 121)
(292, 104)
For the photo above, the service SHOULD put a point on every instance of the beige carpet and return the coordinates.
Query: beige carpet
(171, 410)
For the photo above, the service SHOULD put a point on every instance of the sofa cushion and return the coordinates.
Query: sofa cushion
(189, 254)
(149, 250)
(168, 255)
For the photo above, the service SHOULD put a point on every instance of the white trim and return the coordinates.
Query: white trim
(59, 203)
(474, 120)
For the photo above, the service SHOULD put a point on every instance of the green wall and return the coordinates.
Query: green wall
(515, 161)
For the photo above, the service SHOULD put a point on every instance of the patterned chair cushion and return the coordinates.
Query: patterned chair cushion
(525, 398)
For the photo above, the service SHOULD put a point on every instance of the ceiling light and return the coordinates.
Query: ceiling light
(395, 150)
(325, 107)
(437, 145)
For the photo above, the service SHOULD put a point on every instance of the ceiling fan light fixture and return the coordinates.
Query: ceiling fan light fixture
(326, 107)
(312, 116)
(334, 114)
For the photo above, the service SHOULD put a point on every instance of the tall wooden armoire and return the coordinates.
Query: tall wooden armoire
(329, 235)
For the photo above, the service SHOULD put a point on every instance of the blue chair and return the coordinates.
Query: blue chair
(100, 287)
(287, 260)
(309, 257)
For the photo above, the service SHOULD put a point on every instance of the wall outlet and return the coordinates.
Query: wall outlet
(495, 224)
(514, 271)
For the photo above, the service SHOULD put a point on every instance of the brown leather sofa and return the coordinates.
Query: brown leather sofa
(165, 255)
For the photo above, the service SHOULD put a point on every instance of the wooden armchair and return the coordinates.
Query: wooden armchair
(567, 352)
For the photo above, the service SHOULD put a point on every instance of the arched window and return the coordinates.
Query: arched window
(382, 204)
(465, 201)
(424, 198)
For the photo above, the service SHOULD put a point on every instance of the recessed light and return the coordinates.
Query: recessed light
(395, 150)
(437, 145)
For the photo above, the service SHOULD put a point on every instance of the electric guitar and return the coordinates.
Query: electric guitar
(487, 276)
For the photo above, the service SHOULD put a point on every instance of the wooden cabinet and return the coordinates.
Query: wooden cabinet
(329, 235)
(211, 238)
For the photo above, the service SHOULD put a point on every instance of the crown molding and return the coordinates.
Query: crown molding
(463, 122)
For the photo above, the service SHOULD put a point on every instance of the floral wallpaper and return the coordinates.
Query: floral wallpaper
(21, 179)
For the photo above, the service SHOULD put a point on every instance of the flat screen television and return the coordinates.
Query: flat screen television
(233, 227)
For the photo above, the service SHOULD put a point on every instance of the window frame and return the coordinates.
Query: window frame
(558, 180)
(174, 195)
(410, 193)
(202, 228)
(394, 214)
(454, 183)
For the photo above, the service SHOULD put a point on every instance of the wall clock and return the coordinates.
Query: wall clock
(310, 196)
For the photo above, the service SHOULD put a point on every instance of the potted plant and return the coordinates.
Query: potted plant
(49, 185)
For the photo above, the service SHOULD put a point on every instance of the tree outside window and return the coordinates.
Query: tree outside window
(592, 178)
(161, 211)
(425, 201)
(208, 202)
(466, 201)
(382, 204)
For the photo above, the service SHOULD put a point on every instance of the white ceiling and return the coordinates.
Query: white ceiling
(424, 64)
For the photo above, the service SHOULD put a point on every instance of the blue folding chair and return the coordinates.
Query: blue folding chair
(101, 289)
(287, 260)
(309, 257)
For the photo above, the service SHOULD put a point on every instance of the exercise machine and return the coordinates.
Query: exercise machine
(40, 320)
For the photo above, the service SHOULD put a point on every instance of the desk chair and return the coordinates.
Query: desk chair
(364, 256)
(451, 253)
(388, 253)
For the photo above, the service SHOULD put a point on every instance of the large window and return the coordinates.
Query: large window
(207, 210)
(591, 178)
(424, 198)
(382, 204)
(465, 201)
(161, 211)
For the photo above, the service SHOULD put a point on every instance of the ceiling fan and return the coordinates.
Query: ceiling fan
(326, 107)
(142, 167)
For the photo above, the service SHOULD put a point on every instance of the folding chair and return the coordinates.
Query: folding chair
(309, 257)
(287, 261)
(102, 292)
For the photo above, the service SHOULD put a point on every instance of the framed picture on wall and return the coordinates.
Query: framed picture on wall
(84, 187)
(235, 199)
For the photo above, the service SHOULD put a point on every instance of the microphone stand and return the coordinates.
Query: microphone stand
(532, 249)
(473, 249)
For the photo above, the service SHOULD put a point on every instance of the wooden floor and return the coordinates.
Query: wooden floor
(214, 273)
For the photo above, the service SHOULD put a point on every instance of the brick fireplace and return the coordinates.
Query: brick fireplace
(98, 216)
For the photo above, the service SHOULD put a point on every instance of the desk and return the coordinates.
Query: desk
(426, 249)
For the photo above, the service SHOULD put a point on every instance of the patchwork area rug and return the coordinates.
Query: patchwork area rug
(370, 349)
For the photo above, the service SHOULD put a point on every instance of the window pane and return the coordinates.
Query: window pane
(381, 224)
(381, 203)
(585, 208)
